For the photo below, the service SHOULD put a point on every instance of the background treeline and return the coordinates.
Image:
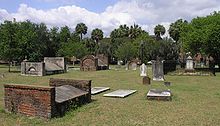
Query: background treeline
(35, 41)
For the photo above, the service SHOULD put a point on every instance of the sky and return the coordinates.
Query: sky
(106, 14)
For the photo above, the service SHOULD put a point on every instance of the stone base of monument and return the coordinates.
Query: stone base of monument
(158, 94)
(146, 80)
(167, 83)
(189, 70)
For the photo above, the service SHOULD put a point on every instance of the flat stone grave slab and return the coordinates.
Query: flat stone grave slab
(67, 92)
(96, 90)
(120, 93)
(158, 94)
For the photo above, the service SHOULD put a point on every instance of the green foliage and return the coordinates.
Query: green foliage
(8, 46)
(126, 51)
(202, 35)
(64, 34)
(73, 48)
(176, 28)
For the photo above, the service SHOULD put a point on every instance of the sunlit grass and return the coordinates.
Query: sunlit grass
(196, 101)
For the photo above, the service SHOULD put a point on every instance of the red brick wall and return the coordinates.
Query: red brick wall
(30, 100)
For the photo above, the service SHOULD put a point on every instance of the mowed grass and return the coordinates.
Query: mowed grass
(195, 101)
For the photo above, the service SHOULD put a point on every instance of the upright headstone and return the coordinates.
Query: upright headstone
(143, 70)
(119, 63)
(126, 66)
(134, 66)
(157, 69)
(189, 64)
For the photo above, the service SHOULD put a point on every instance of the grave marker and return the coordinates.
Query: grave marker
(120, 93)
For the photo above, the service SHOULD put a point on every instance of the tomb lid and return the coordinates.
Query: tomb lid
(52, 67)
(67, 92)
(120, 93)
(96, 90)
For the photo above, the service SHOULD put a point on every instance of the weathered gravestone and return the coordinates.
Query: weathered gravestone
(94, 63)
(189, 64)
(158, 94)
(120, 93)
(33, 68)
(132, 65)
(157, 69)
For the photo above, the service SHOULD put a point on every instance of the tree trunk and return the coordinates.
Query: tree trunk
(9, 68)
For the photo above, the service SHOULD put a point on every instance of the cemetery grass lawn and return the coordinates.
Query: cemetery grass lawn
(195, 101)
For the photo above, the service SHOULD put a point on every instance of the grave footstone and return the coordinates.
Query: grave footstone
(134, 66)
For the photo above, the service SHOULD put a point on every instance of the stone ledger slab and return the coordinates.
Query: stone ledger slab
(120, 93)
(96, 90)
(67, 92)
(158, 94)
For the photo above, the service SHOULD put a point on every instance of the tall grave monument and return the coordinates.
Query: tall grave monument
(157, 69)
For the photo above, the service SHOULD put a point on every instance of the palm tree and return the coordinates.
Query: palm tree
(134, 31)
(159, 30)
(97, 34)
(81, 28)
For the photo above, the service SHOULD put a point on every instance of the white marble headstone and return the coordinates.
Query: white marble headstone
(120, 93)
(189, 63)
(143, 70)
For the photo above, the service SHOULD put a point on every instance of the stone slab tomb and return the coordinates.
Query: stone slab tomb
(158, 94)
(47, 101)
(55, 65)
(51, 65)
(120, 93)
(96, 90)
(94, 63)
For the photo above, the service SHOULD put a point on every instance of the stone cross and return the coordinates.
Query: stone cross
(143, 70)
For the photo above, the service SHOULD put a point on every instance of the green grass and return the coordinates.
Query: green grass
(196, 101)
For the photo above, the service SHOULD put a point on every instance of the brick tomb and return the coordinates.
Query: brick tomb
(47, 101)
